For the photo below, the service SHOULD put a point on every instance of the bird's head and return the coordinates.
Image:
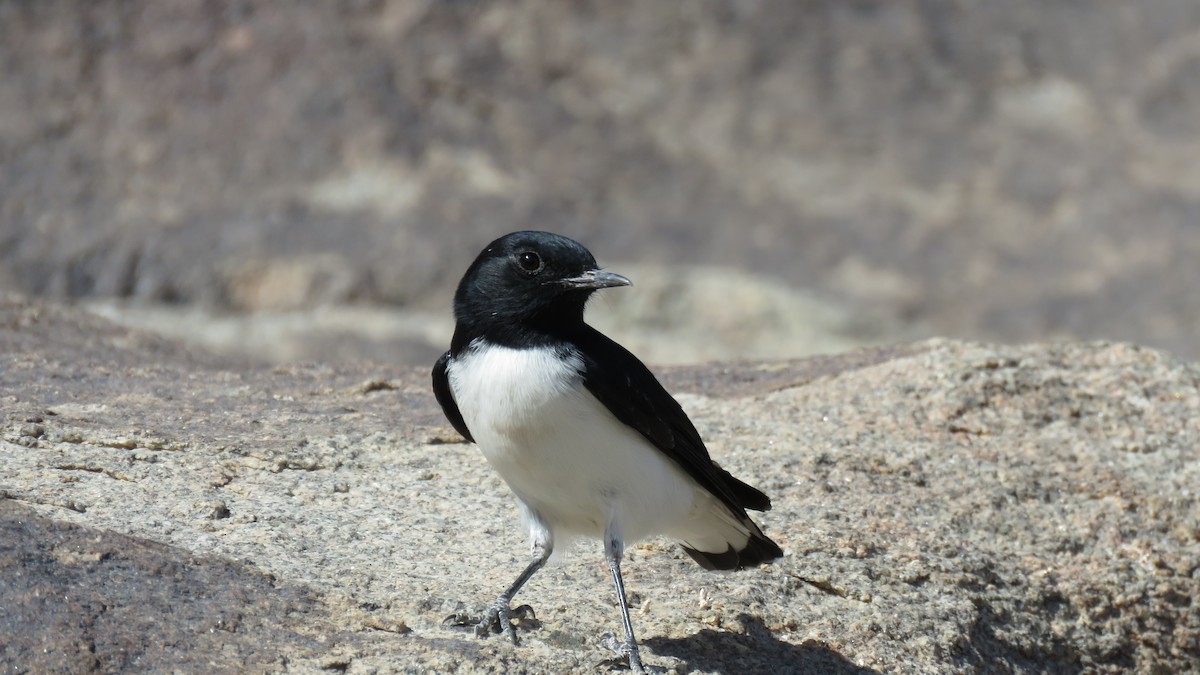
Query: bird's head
(527, 280)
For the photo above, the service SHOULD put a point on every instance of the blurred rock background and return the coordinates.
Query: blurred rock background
(308, 181)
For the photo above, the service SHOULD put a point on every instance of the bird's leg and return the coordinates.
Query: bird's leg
(614, 548)
(498, 616)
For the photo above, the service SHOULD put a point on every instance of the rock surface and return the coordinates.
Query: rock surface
(1004, 170)
(945, 508)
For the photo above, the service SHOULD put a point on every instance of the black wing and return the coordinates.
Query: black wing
(627, 388)
(441, 390)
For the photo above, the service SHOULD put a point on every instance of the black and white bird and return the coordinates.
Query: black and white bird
(582, 432)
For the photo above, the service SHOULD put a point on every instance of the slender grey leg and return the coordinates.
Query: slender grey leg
(500, 611)
(498, 616)
(614, 548)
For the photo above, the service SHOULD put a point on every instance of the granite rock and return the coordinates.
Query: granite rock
(945, 507)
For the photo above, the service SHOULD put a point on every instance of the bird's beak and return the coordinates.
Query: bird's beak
(596, 279)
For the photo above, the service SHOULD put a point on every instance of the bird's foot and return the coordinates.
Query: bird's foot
(627, 656)
(497, 618)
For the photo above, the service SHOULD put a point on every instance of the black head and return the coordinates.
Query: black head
(527, 285)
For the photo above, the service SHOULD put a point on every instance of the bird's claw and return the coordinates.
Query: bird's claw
(497, 618)
(459, 618)
(627, 656)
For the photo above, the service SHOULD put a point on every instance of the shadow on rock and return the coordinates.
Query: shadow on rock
(87, 600)
(755, 650)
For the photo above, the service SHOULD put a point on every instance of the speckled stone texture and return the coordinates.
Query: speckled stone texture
(945, 508)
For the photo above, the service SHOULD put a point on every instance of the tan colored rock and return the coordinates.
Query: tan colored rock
(945, 507)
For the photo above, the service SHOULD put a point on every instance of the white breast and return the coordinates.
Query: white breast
(561, 451)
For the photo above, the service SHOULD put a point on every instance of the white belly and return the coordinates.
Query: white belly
(560, 450)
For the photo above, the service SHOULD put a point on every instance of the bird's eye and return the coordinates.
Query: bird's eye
(530, 261)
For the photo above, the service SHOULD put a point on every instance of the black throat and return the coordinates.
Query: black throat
(553, 325)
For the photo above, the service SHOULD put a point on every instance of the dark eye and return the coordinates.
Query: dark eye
(529, 261)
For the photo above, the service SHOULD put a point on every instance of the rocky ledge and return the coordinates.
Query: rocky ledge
(944, 506)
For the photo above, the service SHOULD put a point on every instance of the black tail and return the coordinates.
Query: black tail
(731, 524)
(759, 549)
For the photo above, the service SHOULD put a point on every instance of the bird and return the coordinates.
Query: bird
(585, 436)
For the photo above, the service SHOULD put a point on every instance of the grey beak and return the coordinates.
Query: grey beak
(596, 279)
